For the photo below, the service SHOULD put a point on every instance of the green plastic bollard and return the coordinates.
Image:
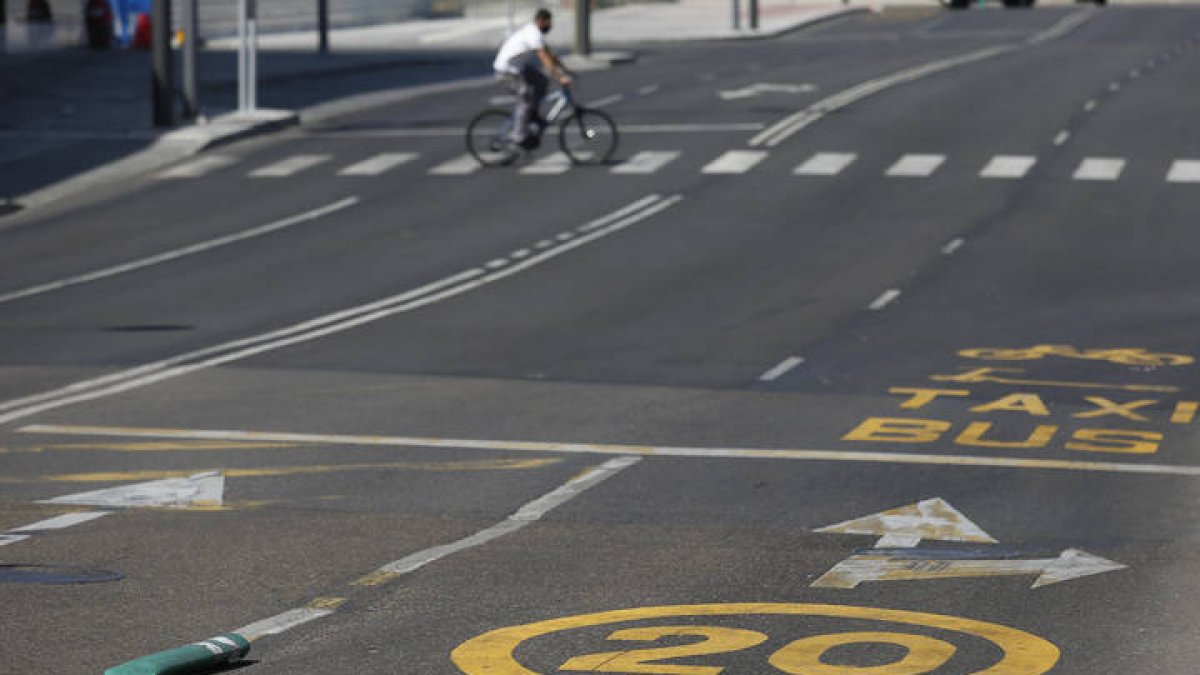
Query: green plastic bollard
(200, 657)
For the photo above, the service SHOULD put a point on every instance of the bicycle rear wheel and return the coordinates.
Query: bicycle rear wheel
(588, 137)
(488, 138)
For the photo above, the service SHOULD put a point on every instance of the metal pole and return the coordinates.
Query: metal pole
(252, 58)
(191, 38)
(583, 38)
(162, 75)
(737, 14)
(753, 14)
(323, 26)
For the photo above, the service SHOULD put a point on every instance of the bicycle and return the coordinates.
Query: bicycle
(585, 135)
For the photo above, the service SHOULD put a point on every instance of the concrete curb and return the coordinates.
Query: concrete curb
(201, 657)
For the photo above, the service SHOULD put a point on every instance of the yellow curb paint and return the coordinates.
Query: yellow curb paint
(1022, 653)
(376, 578)
(326, 603)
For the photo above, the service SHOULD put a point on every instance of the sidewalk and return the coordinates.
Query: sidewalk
(75, 119)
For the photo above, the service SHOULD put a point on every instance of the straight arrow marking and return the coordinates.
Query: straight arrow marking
(866, 567)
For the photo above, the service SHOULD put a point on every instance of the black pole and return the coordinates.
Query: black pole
(753, 14)
(323, 26)
(163, 76)
(583, 28)
(191, 41)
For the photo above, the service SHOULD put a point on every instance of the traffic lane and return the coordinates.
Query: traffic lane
(670, 533)
(281, 539)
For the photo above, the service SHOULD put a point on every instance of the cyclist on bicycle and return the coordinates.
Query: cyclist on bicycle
(526, 76)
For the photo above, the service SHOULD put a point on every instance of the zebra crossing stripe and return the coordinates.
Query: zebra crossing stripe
(459, 166)
(198, 167)
(1184, 171)
(826, 164)
(645, 162)
(1008, 166)
(1099, 168)
(550, 165)
(916, 166)
(378, 164)
(735, 161)
(289, 166)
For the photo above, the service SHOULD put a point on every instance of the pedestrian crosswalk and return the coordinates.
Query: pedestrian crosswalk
(820, 165)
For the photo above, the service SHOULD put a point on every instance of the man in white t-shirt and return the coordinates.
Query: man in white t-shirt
(524, 61)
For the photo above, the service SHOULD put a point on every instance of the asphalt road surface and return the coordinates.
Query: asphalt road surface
(873, 352)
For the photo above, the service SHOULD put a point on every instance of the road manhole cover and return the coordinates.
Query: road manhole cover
(55, 574)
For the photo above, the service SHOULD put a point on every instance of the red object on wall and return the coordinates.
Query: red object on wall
(141, 32)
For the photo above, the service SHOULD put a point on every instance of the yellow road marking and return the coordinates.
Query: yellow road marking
(493, 653)
(644, 450)
(122, 476)
(985, 375)
(326, 603)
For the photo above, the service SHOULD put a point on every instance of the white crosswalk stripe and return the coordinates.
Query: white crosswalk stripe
(1100, 168)
(735, 161)
(1184, 171)
(826, 164)
(1008, 166)
(378, 164)
(290, 166)
(916, 166)
(550, 165)
(459, 166)
(646, 162)
(201, 166)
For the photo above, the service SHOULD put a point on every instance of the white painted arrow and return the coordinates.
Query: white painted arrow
(765, 88)
(906, 526)
(202, 489)
(864, 567)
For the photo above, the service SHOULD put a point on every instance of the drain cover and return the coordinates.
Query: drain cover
(55, 574)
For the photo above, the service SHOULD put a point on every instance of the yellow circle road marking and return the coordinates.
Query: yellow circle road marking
(493, 652)
(803, 657)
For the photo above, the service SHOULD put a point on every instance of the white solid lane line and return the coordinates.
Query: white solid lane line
(459, 166)
(916, 166)
(57, 523)
(1184, 171)
(952, 246)
(607, 100)
(1008, 166)
(179, 252)
(735, 162)
(1100, 169)
(646, 162)
(201, 166)
(886, 298)
(378, 164)
(826, 164)
(290, 166)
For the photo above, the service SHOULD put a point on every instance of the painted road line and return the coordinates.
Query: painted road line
(853, 456)
(878, 567)
(953, 245)
(175, 254)
(648, 89)
(550, 165)
(57, 523)
(915, 166)
(283, 622)
(792, 124)
(1062, 137)
(886, 298)
(606, 101)
(456, 132)
(782, 369)
(1184, 171)
(378, 164)
(646, 162)
(528, 514)
(459, 166)
(1099, 169)
(907, 526)
(1090, 105)
(1008, 166)
(201, 166)
(734, 162)
(826, 164)
(329, 324)
(198, 489)
(290, 166)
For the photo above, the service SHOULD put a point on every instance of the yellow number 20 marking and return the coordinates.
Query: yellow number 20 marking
(717, 640)
(803, 657)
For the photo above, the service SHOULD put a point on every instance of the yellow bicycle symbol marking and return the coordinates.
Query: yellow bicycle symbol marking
(1121, 356)
(1022, 653)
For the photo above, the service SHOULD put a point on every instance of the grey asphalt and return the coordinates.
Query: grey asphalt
(653, 336)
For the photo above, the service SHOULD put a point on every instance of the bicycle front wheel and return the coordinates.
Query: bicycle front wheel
(488, 138)
(588, 137)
